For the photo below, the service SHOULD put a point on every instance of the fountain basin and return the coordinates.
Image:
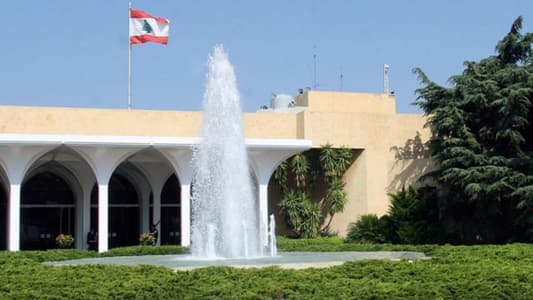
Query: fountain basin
(290, 260)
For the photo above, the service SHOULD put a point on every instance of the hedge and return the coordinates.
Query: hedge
(470, 272)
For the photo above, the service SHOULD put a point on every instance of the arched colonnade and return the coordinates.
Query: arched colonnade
(116, 185)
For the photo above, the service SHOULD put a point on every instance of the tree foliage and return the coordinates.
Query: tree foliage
(299, 180)
(482, 140)
(302, 215)
(412, 218)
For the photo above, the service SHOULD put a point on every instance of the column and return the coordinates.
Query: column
(13, 241)
(185, 199)
(103, 217)
(79, 239)
(145, 209)
(157, 210)
(86, 214)
(263, 211)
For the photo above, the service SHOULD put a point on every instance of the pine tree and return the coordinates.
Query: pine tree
(482, 140)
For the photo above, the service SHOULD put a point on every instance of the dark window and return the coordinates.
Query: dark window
(171, 212)
(47, 209)
(124, 212)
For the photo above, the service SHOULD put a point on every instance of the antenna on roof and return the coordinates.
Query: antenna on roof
(314, 68)
(386, 88)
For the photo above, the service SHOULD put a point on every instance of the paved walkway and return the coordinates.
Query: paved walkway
(287, 260)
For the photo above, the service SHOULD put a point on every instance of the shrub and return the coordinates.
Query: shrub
(413, 216)
(64, 241)
(474, 272)
(368, 229)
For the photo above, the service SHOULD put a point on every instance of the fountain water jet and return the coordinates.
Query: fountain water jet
(222, 189)
(272, 237)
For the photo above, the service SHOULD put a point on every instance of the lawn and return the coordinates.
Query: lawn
(464, 272)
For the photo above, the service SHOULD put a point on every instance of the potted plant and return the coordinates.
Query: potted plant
(64, 241)
(146, 239)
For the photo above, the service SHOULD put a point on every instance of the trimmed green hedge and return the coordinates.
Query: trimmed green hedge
(145, 250)
(65, 254)
(465, 272)
(334, 243)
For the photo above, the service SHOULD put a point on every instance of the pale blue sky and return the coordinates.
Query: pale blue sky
(74, 53)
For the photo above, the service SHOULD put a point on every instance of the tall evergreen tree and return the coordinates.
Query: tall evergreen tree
(482, 140)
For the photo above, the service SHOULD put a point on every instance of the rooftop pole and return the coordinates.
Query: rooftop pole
(314, 68)
(129, 57)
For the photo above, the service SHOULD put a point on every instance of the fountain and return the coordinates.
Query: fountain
(225, 224)
(222, 194)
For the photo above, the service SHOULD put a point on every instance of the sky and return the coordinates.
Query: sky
(75, 53)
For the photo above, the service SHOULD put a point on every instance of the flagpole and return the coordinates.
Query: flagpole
(129, 58)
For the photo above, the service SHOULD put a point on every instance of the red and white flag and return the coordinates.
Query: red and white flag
(146, 28)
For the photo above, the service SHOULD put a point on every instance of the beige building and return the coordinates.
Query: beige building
(67, 170)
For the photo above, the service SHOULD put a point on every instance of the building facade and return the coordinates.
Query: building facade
(70, 170)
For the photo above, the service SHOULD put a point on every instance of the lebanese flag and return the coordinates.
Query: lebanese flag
(146, 28)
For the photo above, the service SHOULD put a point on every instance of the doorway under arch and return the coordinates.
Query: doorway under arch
(171, 212)
(123, 212)
(47, 209)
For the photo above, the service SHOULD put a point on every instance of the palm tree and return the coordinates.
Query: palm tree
(300, 169)
(335, 199)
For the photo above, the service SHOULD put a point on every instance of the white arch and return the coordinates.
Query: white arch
(16, 159)
(104, 160)
(77, 172)
(181, 160)
(58, 169)
(4, 179)
(74, 185)
(134, 175)
(264, 161)
(156, 172)
(142, 187)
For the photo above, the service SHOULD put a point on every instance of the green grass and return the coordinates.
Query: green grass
(454, 272)
(337, 244)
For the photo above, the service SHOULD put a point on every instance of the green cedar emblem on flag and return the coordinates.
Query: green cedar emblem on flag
(147, 27)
